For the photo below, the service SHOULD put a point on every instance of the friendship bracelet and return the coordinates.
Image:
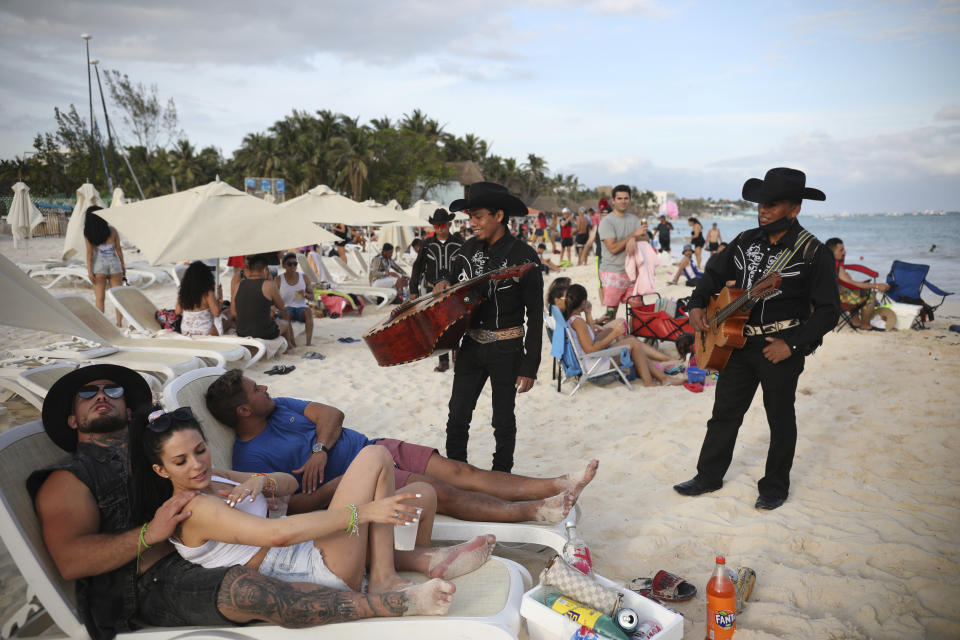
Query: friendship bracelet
(353, 528)
(142, 544)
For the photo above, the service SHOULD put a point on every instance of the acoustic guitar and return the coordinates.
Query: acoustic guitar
(433, 322)
(727, 313)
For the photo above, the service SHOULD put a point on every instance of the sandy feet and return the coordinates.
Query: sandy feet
(450, 562)
(432, 598)
(556, 508)
(577, 481)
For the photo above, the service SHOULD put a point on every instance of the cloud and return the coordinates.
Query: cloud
(911, 23)
(949, 112)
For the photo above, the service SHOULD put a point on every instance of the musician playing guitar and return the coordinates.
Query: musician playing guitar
(782, 329)
(495, 346)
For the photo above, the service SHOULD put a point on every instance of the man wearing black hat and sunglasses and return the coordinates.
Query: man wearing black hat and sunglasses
(433, 263)
(495, 346)
(126, 572)
(781, 330)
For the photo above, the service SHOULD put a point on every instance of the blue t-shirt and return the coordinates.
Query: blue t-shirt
(287, 443)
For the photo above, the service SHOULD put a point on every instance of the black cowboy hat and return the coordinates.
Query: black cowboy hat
(492, 196)
(58, 404)
(780, 184)
(440, 216)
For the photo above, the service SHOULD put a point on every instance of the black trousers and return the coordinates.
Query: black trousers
(736, 387)
(500, 362)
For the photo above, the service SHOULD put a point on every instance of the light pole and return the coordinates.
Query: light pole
(106, 119)
(93, 166)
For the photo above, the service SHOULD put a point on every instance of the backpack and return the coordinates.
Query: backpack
(169, 319)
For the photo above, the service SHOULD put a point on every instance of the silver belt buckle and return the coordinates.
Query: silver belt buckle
(483, 336)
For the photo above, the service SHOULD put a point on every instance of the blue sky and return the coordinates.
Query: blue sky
(689, 96)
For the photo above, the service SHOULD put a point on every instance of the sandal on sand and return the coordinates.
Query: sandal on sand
(280, 370)
(664, 586)
(693, 386)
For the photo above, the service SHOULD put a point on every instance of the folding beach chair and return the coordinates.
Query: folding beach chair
(848, 311)
(486, 605)
(189, 390)
(578, 365)
(646, 322)
(907, 281)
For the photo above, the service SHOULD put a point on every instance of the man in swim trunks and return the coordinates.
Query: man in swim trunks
(580, 238)
(308, 439)
(713, 239)
(615, 231)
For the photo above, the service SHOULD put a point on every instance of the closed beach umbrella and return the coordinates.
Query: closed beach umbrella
(74, 245)
(29, 306)
(323, 204)
(210, 221)
(23, 216)
(119, 198)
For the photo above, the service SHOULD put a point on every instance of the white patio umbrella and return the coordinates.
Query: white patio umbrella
(23, 216)
(323, 204)
(29, 306)
(119, 198)
(210, 221)
(74, 245)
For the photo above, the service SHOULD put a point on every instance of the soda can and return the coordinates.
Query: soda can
(646, 630)
(627, 619)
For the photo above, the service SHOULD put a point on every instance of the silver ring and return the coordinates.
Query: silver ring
(396, 514)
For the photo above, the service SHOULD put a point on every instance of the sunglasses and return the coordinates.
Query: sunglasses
(289, 264)
(111, 390)
(158, 421)
(440, 226)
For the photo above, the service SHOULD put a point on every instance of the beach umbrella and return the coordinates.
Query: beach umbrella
(323, 204)
(74, 245)
(23, 216)
(119, 198)
(210, 221)
(29, 306)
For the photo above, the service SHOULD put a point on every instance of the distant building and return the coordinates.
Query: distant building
(663, 196)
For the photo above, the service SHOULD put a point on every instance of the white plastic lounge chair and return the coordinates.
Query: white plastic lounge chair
(486, 605)
(213, 352)
(141, 314)
(189, 390)
(31, 378)
(386, 294)
(77, 273)
(578, 365)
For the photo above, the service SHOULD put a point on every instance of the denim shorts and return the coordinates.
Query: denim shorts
(177, 593)
(299, 314)
(106, 264)
(301, 562)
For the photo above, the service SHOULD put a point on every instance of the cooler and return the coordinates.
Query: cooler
(543, 623)
(906, 314)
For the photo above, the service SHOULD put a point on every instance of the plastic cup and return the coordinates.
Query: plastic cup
(405, 535)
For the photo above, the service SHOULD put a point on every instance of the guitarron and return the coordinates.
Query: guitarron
(436, 321)
(727, 313)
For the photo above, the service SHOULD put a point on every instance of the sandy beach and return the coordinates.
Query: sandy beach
(867, 546)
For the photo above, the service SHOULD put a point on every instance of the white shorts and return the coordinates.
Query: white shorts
(389, 282)
(301, 562)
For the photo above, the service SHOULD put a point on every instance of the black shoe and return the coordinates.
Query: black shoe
(768, 504)
(694, 487)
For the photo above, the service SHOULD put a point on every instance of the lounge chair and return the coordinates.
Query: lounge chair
(907, 281)
(486, 604)
(31, 378)
(209, 350)
(386, 294)
(189, 390)
(645, 321)
(77, 272)
(578, 365)
(141, 314)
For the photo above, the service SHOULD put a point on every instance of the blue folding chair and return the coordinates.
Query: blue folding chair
(906, 281)
(582, 366)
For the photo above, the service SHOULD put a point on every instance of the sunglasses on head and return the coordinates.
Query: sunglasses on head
(159, 421)
(111, 390)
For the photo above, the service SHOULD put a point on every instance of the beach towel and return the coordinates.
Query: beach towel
(560, 347)
(641, 265)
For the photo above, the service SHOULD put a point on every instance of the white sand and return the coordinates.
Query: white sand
(868, 545)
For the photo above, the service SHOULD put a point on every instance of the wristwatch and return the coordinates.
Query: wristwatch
(319, 446)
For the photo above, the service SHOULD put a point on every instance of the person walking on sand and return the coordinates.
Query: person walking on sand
(615, 231)
(781, 331)
(662, 232)
(713, 239)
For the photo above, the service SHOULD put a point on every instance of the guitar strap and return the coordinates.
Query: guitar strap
(787, 256)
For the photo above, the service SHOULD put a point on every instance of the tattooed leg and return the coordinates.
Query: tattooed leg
(246, 595)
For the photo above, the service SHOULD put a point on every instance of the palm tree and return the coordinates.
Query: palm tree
(355, 151)
(185, 164)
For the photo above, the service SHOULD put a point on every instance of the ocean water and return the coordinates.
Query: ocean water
(875, 241)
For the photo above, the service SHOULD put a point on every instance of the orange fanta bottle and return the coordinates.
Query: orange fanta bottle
(721, 603)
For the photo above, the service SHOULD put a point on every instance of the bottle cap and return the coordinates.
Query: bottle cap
(721, 560)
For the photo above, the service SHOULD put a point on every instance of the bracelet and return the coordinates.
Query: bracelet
(142, 544)
(353, 527)
(269, 478)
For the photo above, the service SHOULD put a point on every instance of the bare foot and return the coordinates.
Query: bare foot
(674, 380)
(432, 598)
(450, 562)
(577, 482)
(554, 508)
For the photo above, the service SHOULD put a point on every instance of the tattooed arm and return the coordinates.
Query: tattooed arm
(246, 595)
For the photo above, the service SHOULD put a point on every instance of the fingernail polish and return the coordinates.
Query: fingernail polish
(419, 495)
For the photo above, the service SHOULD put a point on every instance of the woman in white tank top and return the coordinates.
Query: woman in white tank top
(169, 454)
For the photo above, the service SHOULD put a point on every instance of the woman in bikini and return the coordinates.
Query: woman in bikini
(104, 256)
(169, 455)
(696, 239)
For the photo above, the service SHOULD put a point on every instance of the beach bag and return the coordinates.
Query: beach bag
(580, 587)
(169, 319)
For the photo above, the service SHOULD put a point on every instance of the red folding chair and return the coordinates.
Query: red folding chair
(848, 311)
(646, 323)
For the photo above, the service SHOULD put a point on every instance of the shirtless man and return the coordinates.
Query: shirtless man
(581, 235)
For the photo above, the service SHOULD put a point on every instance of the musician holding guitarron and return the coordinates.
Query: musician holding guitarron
(781, 302)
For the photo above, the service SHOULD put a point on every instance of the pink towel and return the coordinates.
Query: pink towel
(641, 265)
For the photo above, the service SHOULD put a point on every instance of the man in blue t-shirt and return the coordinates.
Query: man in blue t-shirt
(308, 439)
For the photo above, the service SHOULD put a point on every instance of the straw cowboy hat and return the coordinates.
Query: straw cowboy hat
(780, 184)
(440, 216)
(492, 196)
(58, 404)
